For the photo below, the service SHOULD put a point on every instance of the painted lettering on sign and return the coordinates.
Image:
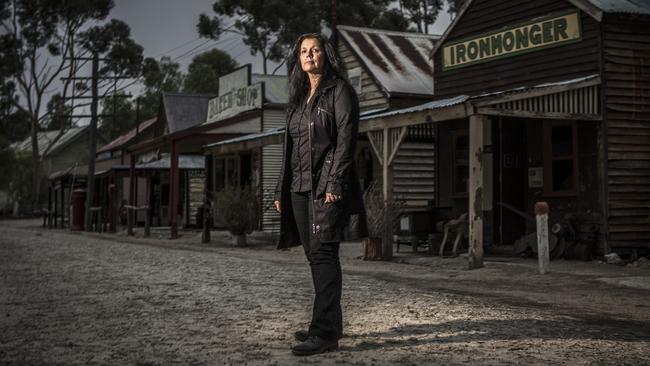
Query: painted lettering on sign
(234, 102)
(529, 37)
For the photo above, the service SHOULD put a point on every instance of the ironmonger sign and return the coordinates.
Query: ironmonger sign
(234, 102)
(513, 40)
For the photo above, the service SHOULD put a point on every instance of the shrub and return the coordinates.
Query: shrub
(236, 209)
(376, 211)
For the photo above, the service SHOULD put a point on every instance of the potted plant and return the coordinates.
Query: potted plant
(236, 209)
(381, 217)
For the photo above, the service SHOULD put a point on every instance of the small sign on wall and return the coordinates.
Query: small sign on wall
(535, 177)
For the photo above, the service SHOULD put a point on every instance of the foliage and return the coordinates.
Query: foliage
(18, 175)
(455, 6)
(14, 126)
(38, 39)
(204, 71)
(380, 215)
(58, 114)
(159, 76)
(422, 12)
(121, 119)
(394, 20)
(236, 209)
(122, 55)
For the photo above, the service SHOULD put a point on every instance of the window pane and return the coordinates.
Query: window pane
(563, 175)
(562, 141)
(219, 174)
(462, 179)
(462, 150)
(232, 172)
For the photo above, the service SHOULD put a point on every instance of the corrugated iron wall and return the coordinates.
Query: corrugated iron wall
(271, 163)
(414, 173)
(627, 99)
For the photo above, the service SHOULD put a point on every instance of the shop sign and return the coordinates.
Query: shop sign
(235, 102)
(532, 36)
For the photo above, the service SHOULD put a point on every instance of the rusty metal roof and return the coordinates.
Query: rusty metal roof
(623, 6)
(398, 61)
(127, 136)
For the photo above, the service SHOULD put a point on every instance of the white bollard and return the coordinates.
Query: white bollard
(541, 214)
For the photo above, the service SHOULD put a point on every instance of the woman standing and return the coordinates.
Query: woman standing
(318, 194)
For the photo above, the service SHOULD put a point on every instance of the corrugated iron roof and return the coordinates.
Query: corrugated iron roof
(623, 6)
(436, 104)
(252, 136)
(398, 61)
(184, 111)
(276, 87)
(128, 136)
(49, 142)
(184, 162)
(449, 102)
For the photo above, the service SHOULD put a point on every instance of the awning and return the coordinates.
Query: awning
(568, 99)
(246, 142)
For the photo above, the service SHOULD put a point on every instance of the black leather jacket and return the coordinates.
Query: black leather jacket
(333, 128)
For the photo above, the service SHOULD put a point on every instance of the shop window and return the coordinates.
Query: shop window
(560, 158)
(459, 163)
(226, 172)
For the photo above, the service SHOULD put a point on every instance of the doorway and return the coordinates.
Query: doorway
(510, 180)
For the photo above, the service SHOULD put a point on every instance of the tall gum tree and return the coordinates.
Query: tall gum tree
(42, 33)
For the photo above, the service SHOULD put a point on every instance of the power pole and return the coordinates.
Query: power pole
(92, 140)
(90, 191)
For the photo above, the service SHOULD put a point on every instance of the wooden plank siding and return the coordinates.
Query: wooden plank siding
(626, 57)
(271, 164)
(553, 64)
(371, 96)
(414, 173)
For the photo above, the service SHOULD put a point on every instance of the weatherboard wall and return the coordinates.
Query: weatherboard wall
(626, 58)
(561, 62)
(371, 96)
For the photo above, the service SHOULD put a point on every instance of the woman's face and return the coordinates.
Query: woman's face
(311, 56)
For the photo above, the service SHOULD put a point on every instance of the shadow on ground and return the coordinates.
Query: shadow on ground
(461, 331)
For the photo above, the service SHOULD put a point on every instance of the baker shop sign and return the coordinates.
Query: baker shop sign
(234, 102)
(537, 34)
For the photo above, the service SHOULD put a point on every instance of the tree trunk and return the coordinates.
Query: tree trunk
(36, 177)
(372, 248)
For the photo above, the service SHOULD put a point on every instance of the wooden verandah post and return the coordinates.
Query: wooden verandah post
(385, 143)
(478, 182)
(174, 187)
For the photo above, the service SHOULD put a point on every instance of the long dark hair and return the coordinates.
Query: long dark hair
(298, 80)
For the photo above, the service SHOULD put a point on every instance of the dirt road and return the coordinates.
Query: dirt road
(73, 299)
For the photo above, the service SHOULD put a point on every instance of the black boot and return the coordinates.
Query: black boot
(301, 335)
(314, 345)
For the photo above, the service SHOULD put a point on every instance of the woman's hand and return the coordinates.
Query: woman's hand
(331, 197)
(277, 205)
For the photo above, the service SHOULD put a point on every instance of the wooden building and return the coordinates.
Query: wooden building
(174, 193)
(391, 70)
(62, 155)
(252, 106)
(546, 100)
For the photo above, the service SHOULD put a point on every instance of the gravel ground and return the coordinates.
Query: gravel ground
(74, 299)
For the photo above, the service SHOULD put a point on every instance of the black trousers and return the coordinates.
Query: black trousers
(327, 318)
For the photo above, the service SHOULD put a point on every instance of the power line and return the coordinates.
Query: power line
(165, 53)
